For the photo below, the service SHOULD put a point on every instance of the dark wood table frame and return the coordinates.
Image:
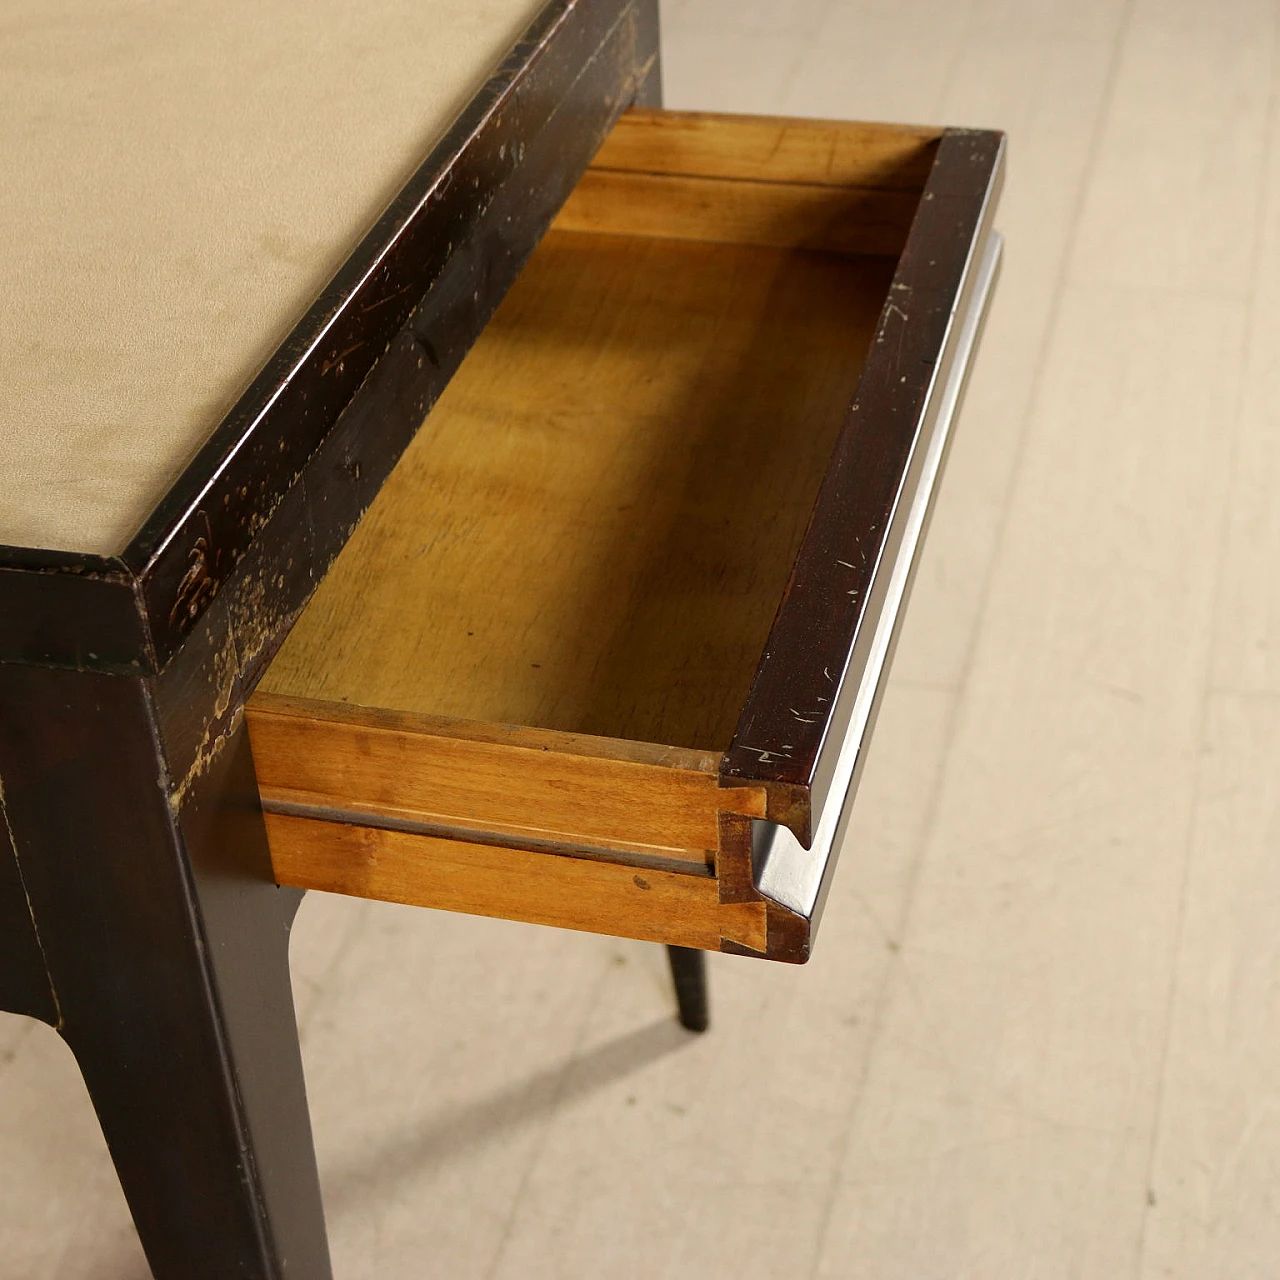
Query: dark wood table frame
(138, 913)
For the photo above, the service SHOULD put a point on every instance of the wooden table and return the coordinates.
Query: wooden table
(239, 289)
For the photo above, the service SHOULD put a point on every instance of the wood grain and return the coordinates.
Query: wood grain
(513, 884)
(833, 153)
(815, 184)
(730, 211)
(593, 529)
(502, 781)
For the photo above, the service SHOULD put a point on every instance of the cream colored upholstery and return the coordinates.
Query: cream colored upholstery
(178, 182)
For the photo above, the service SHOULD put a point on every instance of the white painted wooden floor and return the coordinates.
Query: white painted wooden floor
(1041, 1033)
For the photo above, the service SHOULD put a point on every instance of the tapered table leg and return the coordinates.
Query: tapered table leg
(689, 973)
(165, 944)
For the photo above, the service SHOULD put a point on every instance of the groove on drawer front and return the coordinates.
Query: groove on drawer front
(501, 839)
(513, 884)
(529, 785)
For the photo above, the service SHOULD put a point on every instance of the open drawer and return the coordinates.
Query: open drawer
(607, 648)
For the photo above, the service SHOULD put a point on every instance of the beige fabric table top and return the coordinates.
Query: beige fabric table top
(177, 184)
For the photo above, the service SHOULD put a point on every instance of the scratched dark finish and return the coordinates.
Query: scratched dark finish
(193, 541)
(790, 729)
(138, 912)
(541, 99)
(648, 54)
(165, 942)
(276, 576)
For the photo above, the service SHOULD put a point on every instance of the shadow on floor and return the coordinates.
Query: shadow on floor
(444, 1137)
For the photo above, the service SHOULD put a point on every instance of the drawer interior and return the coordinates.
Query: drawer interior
(581, 553)
(593, 528)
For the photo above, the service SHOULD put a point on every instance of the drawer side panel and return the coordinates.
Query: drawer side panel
(512, 884)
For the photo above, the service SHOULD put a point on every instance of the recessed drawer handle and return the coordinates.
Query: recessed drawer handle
(785, 871)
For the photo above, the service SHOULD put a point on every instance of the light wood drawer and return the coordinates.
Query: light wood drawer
(607, 648)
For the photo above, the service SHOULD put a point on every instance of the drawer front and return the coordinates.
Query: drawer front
(789, 870)
(607, 650)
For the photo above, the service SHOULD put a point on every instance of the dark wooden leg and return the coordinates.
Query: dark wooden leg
(689, 973)
(24, 984)
(165, 941)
